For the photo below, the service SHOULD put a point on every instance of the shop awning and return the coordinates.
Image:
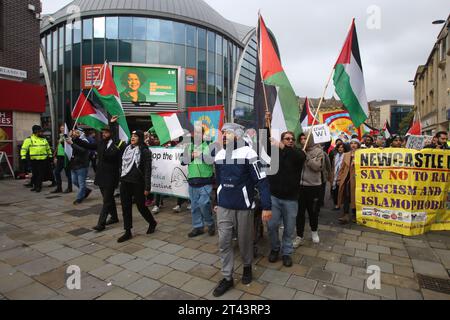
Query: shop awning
(21, 96)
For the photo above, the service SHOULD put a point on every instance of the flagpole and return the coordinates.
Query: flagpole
(318, 108)
(268, 123)
(89, 93)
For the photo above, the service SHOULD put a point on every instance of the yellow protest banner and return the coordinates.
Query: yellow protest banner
(403, 191)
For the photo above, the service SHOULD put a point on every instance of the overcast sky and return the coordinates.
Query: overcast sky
(310, 35)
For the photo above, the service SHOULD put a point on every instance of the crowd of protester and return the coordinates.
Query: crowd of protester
(244, 192)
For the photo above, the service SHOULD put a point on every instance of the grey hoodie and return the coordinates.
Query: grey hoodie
(312, 170)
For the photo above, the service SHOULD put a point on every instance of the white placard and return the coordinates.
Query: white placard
(321, 134)
(169, 177)
(13, 72)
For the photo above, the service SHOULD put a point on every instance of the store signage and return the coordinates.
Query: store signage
(13, 73)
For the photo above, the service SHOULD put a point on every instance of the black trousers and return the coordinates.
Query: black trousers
(335, 194)
(323, 189)
(60, 166)
(109, 205)
(38, 169)
(309, 200)
(128, 191)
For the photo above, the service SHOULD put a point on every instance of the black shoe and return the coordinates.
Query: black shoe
(152, 228)
(112, 221)
(88, 192)
(247, 277)
(33, 189)
(223, 287)
(53, 185)
(196, 232)
(69, 190)
(58, 190)
(127, 236)
(273, 257)
(287, 261)
(28, 185)
(99, 228)
(77, 202)
(38, 190)
(212, 231)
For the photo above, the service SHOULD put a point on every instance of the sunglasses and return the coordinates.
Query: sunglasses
(289, 139)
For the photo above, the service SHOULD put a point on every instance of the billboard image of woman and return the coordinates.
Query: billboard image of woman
(133, 81)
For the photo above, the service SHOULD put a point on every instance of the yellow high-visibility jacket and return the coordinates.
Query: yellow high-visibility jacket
(38, 148)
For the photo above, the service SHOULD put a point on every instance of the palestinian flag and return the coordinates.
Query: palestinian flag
(170, 126)
(285, 115)
(307, 117)
(109, 98)
(387, 130)
(349, 79)
(415, 128)
(68, 125)
(85, 112)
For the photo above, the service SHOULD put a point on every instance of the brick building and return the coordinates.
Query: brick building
(22, 98)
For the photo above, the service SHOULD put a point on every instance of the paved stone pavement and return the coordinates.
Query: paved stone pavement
(41, 235)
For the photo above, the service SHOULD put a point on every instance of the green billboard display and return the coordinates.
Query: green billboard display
(141, 84)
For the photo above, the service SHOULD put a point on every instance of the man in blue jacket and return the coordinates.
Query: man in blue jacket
(238, 172)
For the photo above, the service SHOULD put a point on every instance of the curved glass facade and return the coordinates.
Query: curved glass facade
(134, 39)
(244, 111)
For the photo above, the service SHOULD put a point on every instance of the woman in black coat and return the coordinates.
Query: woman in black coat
(135, 182)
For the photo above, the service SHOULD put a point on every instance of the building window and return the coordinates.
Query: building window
(191, 36)
(112, 28)
(125, 28)
(166, 31)
(153, 29)
(99, 27)
(139, 28)
(179, 33)
(202, 39)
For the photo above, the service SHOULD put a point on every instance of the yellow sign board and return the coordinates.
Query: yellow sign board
(403, 191)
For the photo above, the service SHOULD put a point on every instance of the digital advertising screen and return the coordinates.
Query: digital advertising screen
(145, 84)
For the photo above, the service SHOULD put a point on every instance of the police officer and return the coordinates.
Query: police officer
(39, 152)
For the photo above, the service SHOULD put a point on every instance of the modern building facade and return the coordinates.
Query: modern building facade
(217, 55)
(432, 86)
(22, 98)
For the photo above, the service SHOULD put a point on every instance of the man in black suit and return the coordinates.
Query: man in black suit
(109, 155)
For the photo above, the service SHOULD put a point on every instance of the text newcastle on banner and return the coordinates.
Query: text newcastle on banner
(169, 177)
(403, 191)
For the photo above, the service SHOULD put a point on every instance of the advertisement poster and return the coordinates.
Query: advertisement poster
(211, 119)
(403, 191)
(169, 177)
(191, 80)
(90, 76)
(6, 133)
(339, 122)
(137, 84)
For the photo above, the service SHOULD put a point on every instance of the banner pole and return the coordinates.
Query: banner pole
(89, 93)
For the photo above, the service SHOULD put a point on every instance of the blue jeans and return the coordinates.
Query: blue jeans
(201, 206)
(286, 211)
(79, 180)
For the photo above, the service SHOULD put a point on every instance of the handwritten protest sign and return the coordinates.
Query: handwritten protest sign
(169, 177)
(403, 191)
(321, 134)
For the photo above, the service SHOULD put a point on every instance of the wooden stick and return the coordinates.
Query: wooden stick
(318, 109)
(89, 93)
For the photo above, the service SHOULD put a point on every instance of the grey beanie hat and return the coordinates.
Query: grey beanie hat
(237, 129)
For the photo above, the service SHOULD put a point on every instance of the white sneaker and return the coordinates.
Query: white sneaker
(189, 207)
(315, 237)
(298, 242)
(177, 209)
(155, 210)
